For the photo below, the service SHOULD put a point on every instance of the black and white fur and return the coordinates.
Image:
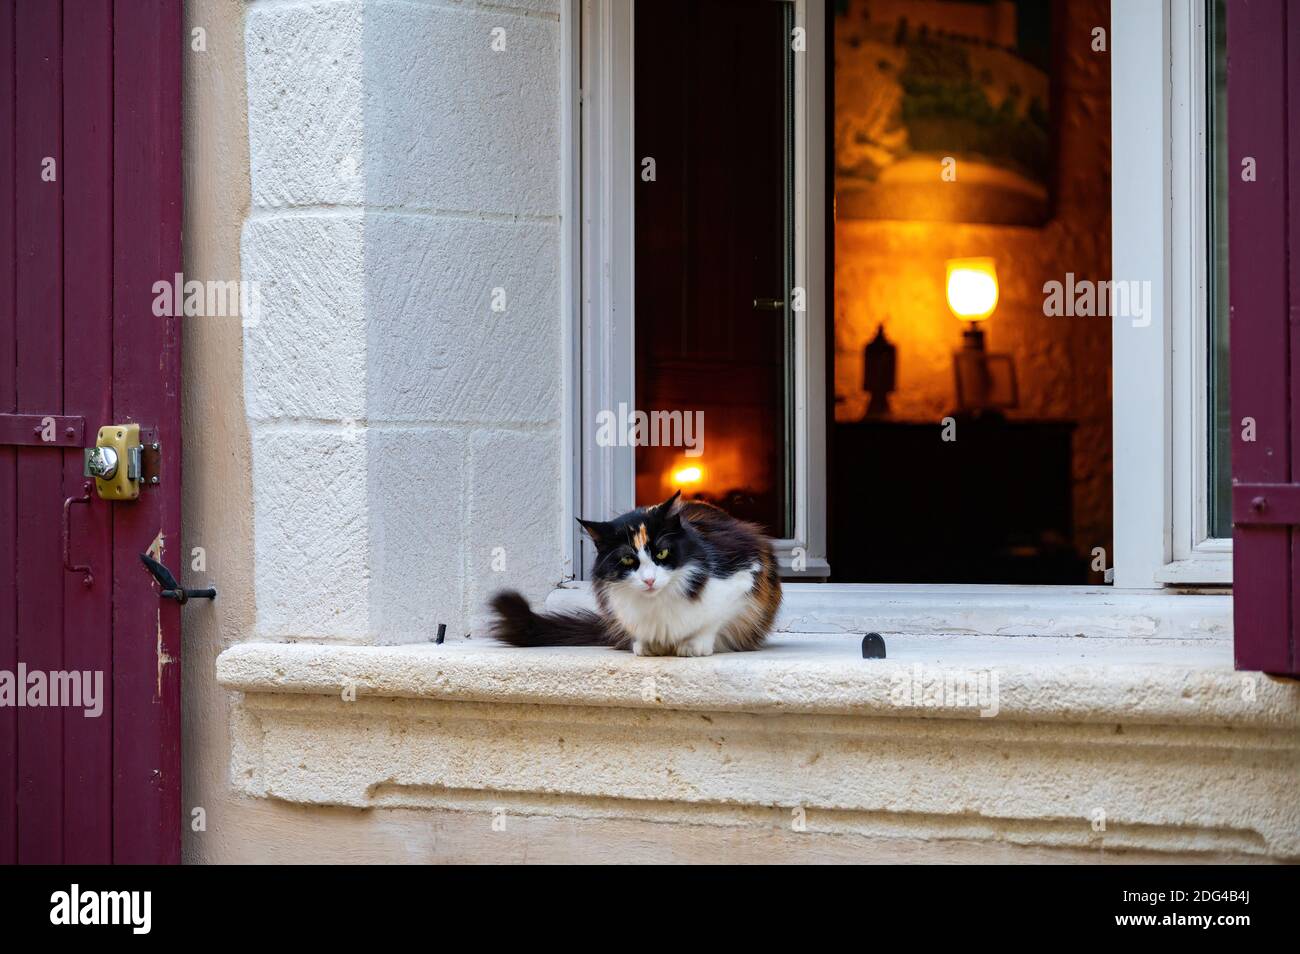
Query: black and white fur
(675, 579)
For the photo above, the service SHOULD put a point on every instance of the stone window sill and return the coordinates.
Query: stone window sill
(1044, 678)
(1157, 741)
(981, 610)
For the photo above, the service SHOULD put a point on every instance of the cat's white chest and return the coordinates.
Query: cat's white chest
(669, 622)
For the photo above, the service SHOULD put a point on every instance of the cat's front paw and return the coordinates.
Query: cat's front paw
(699, 646)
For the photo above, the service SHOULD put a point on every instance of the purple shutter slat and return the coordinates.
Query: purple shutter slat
(8, 455)
(146, 388)
(1262, 341)
(88, 364)
(39, 92)
(1292, 80)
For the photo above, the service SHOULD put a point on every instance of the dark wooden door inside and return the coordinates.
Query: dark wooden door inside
(89, 221)
(714, 108)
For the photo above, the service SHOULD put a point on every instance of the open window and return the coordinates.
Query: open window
(878, 249)
(703, 357)
(715, 249)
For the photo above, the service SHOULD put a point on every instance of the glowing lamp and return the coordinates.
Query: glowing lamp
(986, 383)
(684, 476)
(972, 288)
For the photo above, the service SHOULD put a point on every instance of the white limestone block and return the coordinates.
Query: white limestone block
(311, 532)
(306, 355)
(305, 103)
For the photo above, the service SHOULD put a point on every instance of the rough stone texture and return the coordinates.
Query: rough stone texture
(418, 482)
(401, 171)
(546, 8)
(271, 831)
(892, 272)
(310, 532)
(1164, 739)
(305, 389)
(452, 124)
(305, 117)
(305, 357)
(505, 468)
(437, 350)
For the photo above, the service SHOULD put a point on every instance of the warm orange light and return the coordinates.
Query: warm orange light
(687, 475)
(972, 288)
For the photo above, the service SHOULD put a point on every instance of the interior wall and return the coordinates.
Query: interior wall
(891, 273)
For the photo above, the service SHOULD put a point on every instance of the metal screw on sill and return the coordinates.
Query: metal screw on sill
(153, 480)
(873, 646)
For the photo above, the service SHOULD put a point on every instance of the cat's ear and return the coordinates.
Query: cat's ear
(668, 519)
(598, 531)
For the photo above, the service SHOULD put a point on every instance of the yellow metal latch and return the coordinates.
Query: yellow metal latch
(115, 462)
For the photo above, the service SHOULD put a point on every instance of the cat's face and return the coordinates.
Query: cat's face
(646, 551)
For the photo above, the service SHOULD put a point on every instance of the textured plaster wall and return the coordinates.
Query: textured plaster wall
(402, 430)
(892, 272)
(217, 490)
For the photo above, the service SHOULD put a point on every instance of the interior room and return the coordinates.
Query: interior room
(968, 373)
(972, 419)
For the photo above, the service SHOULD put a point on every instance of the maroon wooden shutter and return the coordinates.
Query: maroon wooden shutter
(90, 91)
(1264, 290)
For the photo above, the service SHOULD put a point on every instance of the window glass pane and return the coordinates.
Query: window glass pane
(972, 326)
(1218, 417)
(714, 255)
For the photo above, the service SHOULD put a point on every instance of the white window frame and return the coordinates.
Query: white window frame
(1161, 454)
(606, 477)
(1160, 406)
(1197, 557)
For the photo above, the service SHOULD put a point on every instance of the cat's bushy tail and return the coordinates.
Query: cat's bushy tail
(517, 625)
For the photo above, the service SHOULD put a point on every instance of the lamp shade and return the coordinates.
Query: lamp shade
(972, 288)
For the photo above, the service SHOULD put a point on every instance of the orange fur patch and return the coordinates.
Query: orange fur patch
(640, 538)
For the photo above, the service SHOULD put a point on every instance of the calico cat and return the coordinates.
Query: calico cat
(675, 579)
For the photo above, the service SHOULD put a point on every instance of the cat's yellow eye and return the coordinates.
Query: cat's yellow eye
(627, 561)
(662, 554)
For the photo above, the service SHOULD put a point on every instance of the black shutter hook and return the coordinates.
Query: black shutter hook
(172, 590)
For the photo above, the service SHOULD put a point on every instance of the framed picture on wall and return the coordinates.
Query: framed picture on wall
(944, 110)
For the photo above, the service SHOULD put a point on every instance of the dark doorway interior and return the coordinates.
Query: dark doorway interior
(713, 249)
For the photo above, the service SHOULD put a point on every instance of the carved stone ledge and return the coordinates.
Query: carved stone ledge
(1120, 745)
